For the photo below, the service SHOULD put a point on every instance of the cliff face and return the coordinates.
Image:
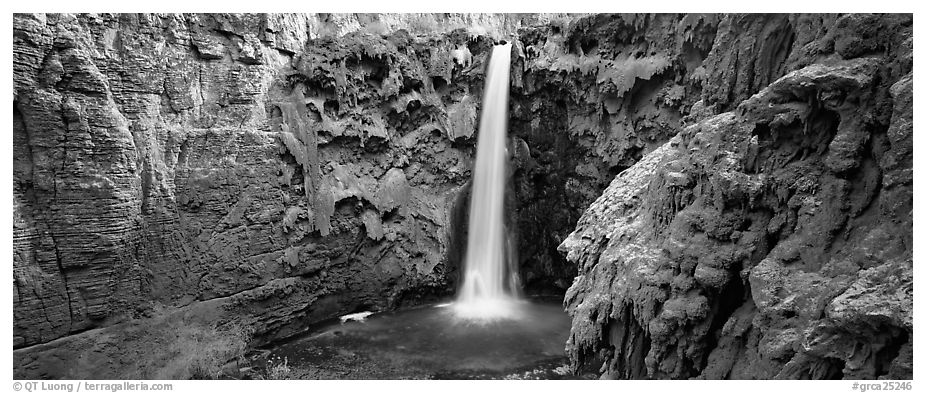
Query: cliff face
(164, 160)
(588, 100)
(772, 237)
(144, 172)
(269, 171)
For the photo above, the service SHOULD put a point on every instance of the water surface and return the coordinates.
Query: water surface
(432, 342)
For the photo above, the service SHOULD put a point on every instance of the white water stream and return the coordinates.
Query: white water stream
(490, 287)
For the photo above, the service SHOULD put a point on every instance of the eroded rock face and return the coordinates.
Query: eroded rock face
(770, 241)
(588, 100)
(229, 168)
(166, 161)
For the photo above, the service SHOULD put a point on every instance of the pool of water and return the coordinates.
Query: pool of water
(432, 342)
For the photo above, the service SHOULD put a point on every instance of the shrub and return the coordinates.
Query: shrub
(325, 30)
(276, 369)
(423, 25)
(375, 28)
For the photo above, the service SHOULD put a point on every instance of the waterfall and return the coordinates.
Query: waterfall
(490, 287)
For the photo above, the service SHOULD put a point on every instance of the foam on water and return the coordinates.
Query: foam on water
(489, 309)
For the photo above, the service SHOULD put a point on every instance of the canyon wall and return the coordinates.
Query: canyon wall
(273, 171)
(218, 163)
(267, 171)
(588, 100)
(772, 236)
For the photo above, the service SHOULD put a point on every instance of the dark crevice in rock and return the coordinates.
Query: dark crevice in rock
(630, 344)
(884, 358)
(730, 299)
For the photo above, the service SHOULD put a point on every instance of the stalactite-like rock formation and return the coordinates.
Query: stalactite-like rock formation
(770, 241)
(265, 170)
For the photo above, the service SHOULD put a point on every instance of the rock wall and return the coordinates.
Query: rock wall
(153, 168)
(589, 98)
(772, 237)
(266, 170)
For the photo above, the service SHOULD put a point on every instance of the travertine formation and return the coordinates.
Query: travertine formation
(275, 170)
(267, 170)
(772, 237)
(594, 97)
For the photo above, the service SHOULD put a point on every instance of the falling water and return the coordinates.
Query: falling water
(490, 285)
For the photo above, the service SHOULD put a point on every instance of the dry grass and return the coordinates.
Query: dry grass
(201, 351)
